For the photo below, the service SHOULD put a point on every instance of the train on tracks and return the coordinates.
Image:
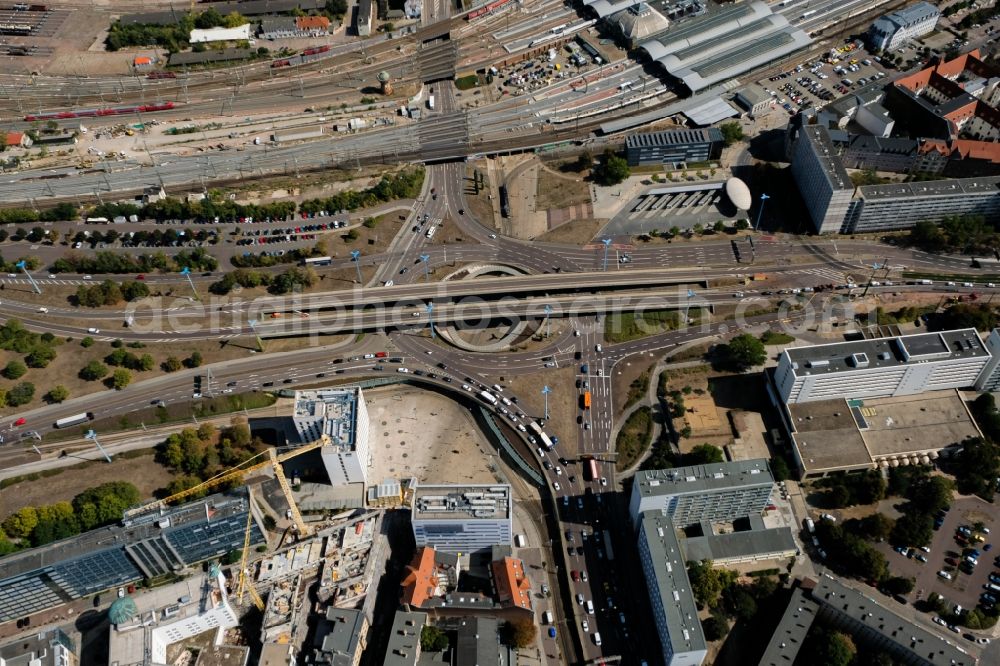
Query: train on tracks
(487, 9)
(309, 55)
(100, 113)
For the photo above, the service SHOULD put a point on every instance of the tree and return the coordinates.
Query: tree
(779, 469)
(146, 363)
(612, 170)
(743, 352)
(830, 648)
(703, 454)
(740, 602)
(719, 227)
(912, 529)
(715, 627)
(93, 371)
(233, 556)
(731, 132)
(336, 7)
(172, 364)
(898, 585)
(57, 393)
(433, 639)
(121, 379)
(194, 360)
(708, 582)
(21, 523)
(978, 465)
(876, 527)
(40, 356)
(742, 225)
(87, 342)
(584, 161)
(104, 504)
(14, 370)
(521, 633)
(21, 394)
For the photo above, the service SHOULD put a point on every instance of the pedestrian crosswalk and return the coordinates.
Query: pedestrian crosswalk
(828, 274)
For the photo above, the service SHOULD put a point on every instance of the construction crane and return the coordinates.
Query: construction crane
(234, 474)
(245, 583)
(287, 490)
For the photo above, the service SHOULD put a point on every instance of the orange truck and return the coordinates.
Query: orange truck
(586, 399)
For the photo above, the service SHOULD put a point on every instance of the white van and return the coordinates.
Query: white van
(547, 617)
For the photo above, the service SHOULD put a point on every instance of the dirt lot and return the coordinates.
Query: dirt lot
(577, 232)
(558, 190)
(421, 433)
(479, 205)
(141, 471)
(563, 401)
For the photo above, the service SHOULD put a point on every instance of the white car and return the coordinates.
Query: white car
(555, 486)
(585, 625)
(944, 574)
(93, 330)
(604, 480)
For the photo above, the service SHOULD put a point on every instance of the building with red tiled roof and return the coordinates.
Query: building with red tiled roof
(15, 139)
(427, 576)
(314, 26)
(512, 585)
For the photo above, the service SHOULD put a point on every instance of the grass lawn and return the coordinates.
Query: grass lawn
(634, 437)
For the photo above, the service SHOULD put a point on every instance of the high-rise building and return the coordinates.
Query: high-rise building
(717, 491)
(675, 612)
(882, 367)
(341, 415)
(46, 648)
(818, 170)
(462, 519)
(989, 378)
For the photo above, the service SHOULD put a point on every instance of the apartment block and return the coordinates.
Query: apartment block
(718, 491)
(882, 367)
(819, 173)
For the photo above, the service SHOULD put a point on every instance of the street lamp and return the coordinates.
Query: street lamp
(427, 269)
(763, 198)
(607, 244)
(430, 318)
(548, 320)
(24, 267)
(253, 328)
(186, 272)
(545, 392)
(92, 435)
(355, 257)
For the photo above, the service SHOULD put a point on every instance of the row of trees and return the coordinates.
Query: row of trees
(38, 350)
(57, 213)
(92, 508)
(292, 256)
(964, 233)
(110, 293)
(718, 590)
(402, 185)
(843, 490)
(111, 262)
(172, 37)
(293, 279)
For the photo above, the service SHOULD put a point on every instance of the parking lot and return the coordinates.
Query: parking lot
(964, 588)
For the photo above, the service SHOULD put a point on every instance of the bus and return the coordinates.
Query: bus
(504, 202)
(76, 419)
(431, 230)
(590, 467)
(608, 550)
(317, 261)
(488, 397)
(586, 399)
(98, 220)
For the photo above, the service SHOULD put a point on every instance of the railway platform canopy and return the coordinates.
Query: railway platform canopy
(723, 45)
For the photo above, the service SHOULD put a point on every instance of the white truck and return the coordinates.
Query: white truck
(430, 102)
(520, 541)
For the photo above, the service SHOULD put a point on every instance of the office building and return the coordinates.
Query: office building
(341, 415)
(891, 31)
(675, 612)
(989, 378)
(674, 147)
(868, 621)
(717, 491)
(818, 171)
(895, 206)
(462, 519)
(403, 648)
(51, 647)
(143, 628)
(881, 367)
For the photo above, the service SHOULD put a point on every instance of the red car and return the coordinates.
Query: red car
(140, 276)
(381, 354)
(575, 575)
(21, 421)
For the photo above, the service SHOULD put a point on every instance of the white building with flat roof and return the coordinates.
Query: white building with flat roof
(241, 33)
(881, 367)
(462, 518)
(895, 29)
(341, 415)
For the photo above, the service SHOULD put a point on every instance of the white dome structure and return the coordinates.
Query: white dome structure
(739, 193)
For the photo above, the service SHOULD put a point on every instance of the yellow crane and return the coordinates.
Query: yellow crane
(287, 490)
(234, 474)
(245, 583)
